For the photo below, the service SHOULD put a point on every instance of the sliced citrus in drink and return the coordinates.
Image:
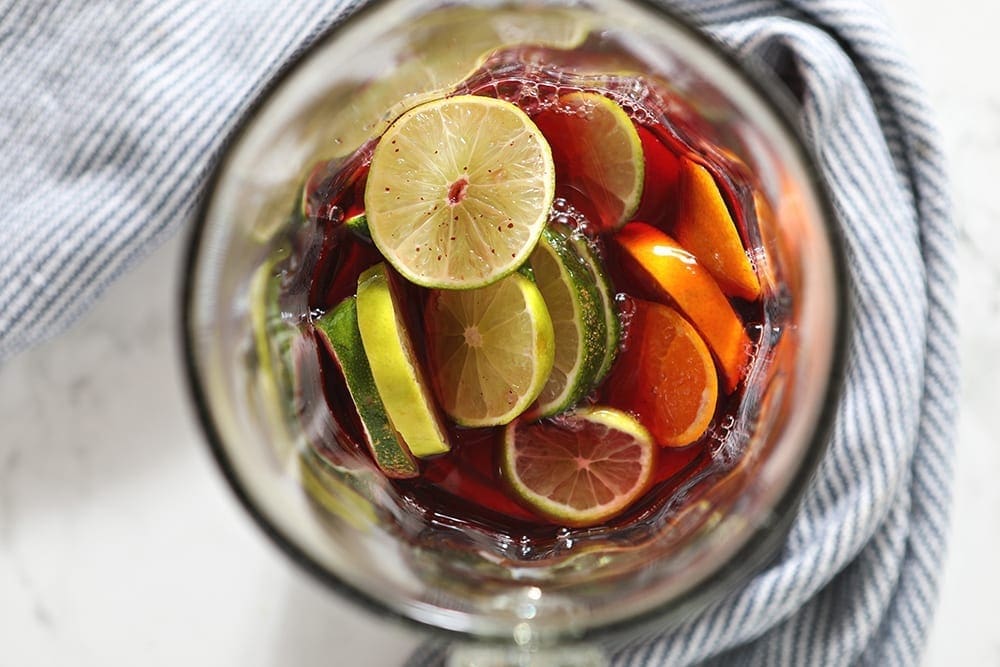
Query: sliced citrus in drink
(657, 267)
(339, 331)
(666, 377)
(459, 191)
(598, 155)
(400, 379)
(491, 349)
(579, 469)
(705, 228)
(578, 319)
(613, 326)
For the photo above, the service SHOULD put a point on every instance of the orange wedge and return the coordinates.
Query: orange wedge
(666, 376)
(658, 267)
(706, 229)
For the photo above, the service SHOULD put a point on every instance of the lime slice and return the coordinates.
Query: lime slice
(459, 191)
(339, 330)
(613, 326)
(398, 376)
(574, 305)
(580, 469)
(491, 349)
(598, 153)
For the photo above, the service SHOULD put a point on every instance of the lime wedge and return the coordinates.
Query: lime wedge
(339, 331)
(491, 349)
(398, 375)
(613, 326)
(579, 469)
(578, 320)
(598, 154)
(459, 191)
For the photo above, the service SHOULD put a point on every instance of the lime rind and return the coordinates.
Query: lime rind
(610, 125)
(491, 350)
(339, 330)
(611, 425)
(338, 492)
(358, 225)
(400, 379)
(612, 322)
(574, 303)
(486, 183)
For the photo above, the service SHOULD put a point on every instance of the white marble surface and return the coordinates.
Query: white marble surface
(120, 544)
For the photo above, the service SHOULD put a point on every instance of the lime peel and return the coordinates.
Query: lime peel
(339, 331)
(577, 318)
(400, 379)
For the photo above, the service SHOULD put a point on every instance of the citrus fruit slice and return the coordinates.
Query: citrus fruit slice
(490, 349)
(613, 326)
(598, 155)
(657, 267)
(398, 376)
(705, 228)
(578, 321)
(579, 469)
(666, 377)
(340, 333)
(459, 191)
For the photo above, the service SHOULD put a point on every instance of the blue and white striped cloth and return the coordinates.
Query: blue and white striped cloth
(111, 112)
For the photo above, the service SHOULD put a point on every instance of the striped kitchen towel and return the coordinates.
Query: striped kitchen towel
(111, 114)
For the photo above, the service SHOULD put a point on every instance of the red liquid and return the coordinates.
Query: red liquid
(464, 487)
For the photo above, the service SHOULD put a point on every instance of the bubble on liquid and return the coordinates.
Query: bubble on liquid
(626, 307)
(331, 214)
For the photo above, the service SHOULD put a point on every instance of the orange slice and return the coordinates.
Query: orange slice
(705, 228)
(665, 376)
(664, 271)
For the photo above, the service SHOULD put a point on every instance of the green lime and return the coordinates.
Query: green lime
(459, 191)
(579, 469)
(491, 349)
(339, 330)
(574, 304)
(613, 326)
(398, 375)
(598, 153)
